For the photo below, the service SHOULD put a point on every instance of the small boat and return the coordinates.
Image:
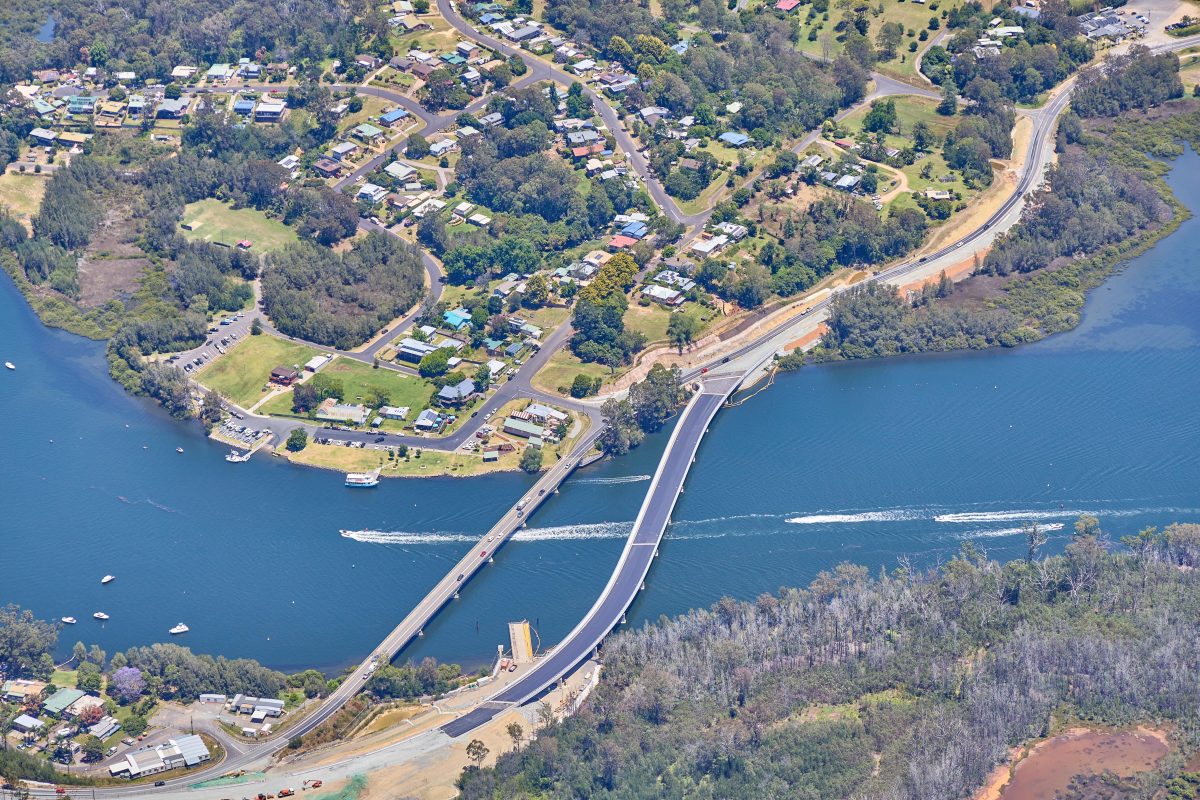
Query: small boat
(178, 449)
(362, 480)
(235, 457)
(180, 628)
(10, 365)
(100, 615)
(108, 579)
(69, 620)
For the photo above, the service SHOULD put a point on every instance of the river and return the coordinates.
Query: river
(866, 462)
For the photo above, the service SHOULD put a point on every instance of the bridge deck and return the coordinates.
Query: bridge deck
(626, 580)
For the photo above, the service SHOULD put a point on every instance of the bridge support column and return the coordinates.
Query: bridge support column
(622, 618)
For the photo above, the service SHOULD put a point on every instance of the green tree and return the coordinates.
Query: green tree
(91, 747)
(210, 409)
(436, 363)
(297, 440)
(682, 329)
(537, 291)
(531, 459)
(482, 378)
(477, 751)
(256, 327)
(417, 146)
(582, 386)
(949, 105)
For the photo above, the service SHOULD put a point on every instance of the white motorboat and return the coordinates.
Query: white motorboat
(108, 579)
(100, 615)
(178, 449)
(10, 365)
(180, 628)
(69, 620)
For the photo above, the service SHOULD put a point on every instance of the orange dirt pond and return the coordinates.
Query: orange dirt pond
(1052, 764)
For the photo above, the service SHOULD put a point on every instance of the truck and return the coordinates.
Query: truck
(287, 792)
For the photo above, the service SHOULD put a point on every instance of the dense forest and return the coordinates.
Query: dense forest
(908, 686)
(341, 300)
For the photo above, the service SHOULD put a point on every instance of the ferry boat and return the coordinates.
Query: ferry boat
(100, 615)
(69, 620)
(362, 480)
(180, 628)
(108, 579)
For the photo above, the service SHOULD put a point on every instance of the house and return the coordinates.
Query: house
(330, 410)
(400, 172)
(394, 412)
(787, 5)
(423, 71)
(343, 150)
(663, 295)
(61, 700)
(462, 210)
(171, 109)
(42, 108)
(495, 367)
(81, 104)
(734, 139)
(105, 728)
(411, 23)
(219, 72)
(669, 277)
(243, 107)
(413, 351)
(467, 50)
(522, 428)
(471, 77)
(491, 120)
(251, 72)
(367, 133)
(514, 350)
(284, 376)
(391, 118)
(73, 137)
(480, 220)
(545, 414)
(269, 111)
(583, 67)
(371, 193)
(368, 61)
(453, 59)
(812, 161)
(42, 136)
(327, 167)
(289, 162)
(457, 319)
(620, 242)
(938, 194)
(523, 34)
(182, 73)
(459, 393)
(429, 420)
(83, 705)
(635, 230)
(441, 147)
(707, 244)
(27, 724)
(847, 182)
(20, 690)
(597, 258)
(734, 231)
(402, 63)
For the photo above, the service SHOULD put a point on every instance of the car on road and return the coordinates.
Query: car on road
(483, 553)
(160, 783)
(460, 576)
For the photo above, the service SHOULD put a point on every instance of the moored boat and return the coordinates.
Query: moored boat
(180, 628)
(108, 579)
(362, 480)
(69, 620)
(100, 615)
(10, 365)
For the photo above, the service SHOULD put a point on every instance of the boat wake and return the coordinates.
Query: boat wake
(613, 481)
(598, 530)
(887, 515)
(985, 533)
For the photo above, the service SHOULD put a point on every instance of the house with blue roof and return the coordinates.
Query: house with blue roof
(367, 132)
(635, 230)
(393, 116)
(81, 104)
(490, 17)
(734, 139)
(457, 319)
(453, 59)
(243, 107)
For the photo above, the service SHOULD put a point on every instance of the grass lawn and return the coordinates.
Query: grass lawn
(705, 199)
(214, 221)
(22, 194)
(359, 380)
(372, 107)
(438, 40)
(241, 373)
(64, 678)
(913, 16)
(916, 183)
(909, 110)
(561, 369)
(652, 320)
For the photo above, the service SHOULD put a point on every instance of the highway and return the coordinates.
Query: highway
(627, 579)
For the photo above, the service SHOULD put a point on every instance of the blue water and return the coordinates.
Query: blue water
(866, 462)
